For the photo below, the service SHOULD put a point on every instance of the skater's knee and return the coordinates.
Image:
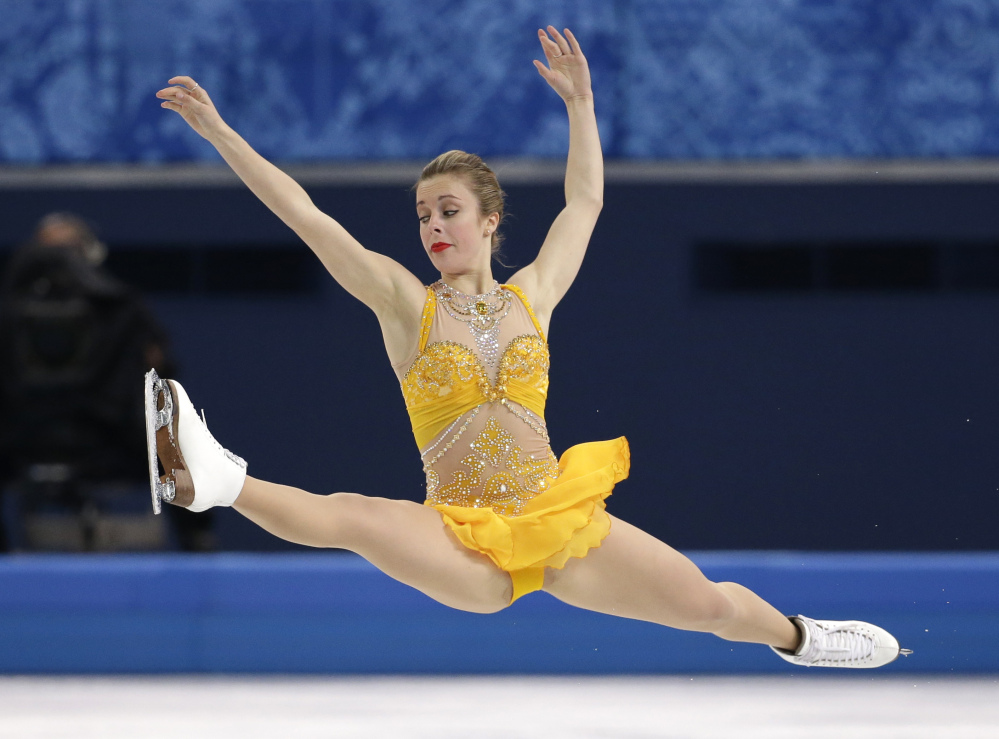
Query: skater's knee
(715, 608)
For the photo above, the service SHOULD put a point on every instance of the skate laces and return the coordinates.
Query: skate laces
(229, 455)
(829, 643)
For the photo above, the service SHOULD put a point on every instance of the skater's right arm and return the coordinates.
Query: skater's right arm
(379, 282)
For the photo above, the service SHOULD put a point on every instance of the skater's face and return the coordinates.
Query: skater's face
(456, 235)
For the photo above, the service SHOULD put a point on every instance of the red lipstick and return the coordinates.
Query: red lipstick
(439, 246)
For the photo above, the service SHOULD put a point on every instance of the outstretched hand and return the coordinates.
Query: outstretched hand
(567, 71)
(189, 99)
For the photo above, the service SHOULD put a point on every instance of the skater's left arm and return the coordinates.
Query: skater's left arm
(547, 279)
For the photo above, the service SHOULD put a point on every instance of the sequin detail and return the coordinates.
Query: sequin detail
(439, 370)
(445, 365)
(426, 452)
(475, 461)
(496, 473)
(436, 373)
(481, 313)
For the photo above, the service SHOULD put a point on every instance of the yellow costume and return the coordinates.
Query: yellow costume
(478, 418)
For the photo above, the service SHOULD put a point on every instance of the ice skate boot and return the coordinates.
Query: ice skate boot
(199, 473)
(842, 644)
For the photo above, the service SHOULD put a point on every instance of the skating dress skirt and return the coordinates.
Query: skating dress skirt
(478, 418)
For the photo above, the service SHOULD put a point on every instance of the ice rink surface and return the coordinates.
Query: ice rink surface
(828, 706)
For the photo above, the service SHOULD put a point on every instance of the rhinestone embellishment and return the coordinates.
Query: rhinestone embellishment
(497, 453)
(496, 473)
(482, 313)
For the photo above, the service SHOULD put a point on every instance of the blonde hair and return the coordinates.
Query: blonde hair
(480, 180)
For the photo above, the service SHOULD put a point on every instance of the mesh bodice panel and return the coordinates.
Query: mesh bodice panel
(486, 444)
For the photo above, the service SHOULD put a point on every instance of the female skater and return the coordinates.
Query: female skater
(503, 517)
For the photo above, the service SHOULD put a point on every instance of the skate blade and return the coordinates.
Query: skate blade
(156, 419)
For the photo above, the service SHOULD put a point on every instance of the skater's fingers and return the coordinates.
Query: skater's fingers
(184, 80)
(573, 43)
(549, 47)
(180, 96)
(174, 93)
(184, 88)
(550, 77)
(563, 45)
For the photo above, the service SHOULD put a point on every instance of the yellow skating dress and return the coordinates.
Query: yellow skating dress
(478, 419)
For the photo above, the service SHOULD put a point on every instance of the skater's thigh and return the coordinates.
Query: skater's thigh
(410, 542)
(636, 575)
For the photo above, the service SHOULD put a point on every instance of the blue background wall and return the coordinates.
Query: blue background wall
(385, 79)
(803, 420)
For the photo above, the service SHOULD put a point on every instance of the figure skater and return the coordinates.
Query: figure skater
(503, 517)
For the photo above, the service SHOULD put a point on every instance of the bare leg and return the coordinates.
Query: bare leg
(633, 574)
(405, 540)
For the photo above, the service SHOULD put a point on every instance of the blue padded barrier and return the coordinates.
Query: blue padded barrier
(334, 613)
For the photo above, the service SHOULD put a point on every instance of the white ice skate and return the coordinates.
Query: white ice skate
(842, 644)
(199, 473)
